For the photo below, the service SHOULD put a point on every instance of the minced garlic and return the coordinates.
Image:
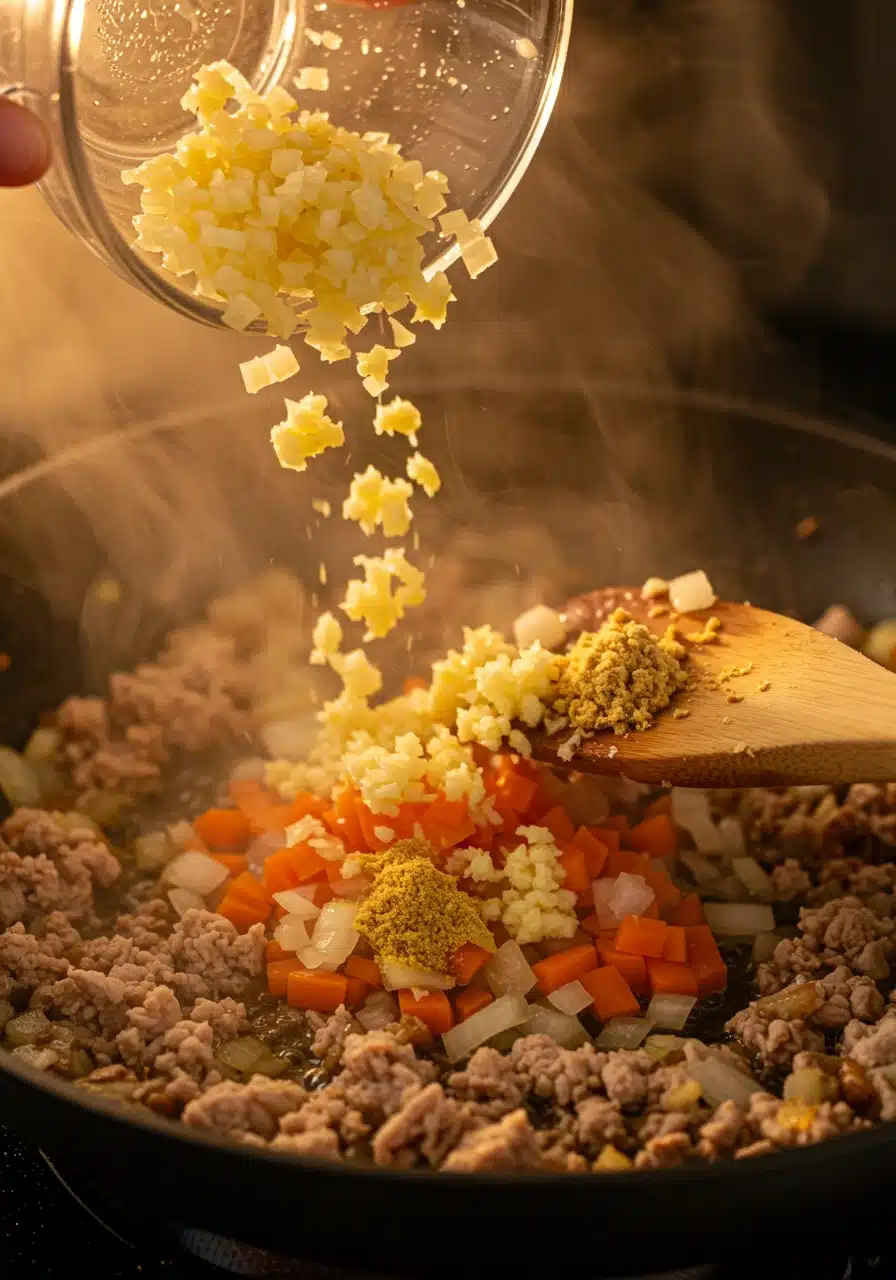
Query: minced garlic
(424, 473)
(373, 368)
(306, 432)
(416, 915)
(277, 366)
(536, 906)
(374, 500)
(619, 677)
(398, 417)
(373, 602)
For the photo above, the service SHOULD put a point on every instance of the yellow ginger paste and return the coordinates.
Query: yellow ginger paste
(415, 914)
(619, 677)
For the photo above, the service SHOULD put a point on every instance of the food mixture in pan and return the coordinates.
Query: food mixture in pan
(396, 938)
(371, 951)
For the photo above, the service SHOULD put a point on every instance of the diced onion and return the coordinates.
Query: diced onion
(571, 999)
(738, 919)
(690, 592)
(749, 872)
(624, 1033)
(796, 1001)
(806, 1084)
(18, 780)
(631, 896)
(731, 837)
(503, 1013)
(295, 902)
(567, 1031)
(292, 933)
(690, 809)
(378, 1010)
(335, 936)
(508, 971)
(764, 946)
(196, 871)
(670, 1011)
(602, 891)
(399, 977)
(721, 1082)
(660, 1046)
(703, 871)
(184, 900)
(311, 958)
(153, 850)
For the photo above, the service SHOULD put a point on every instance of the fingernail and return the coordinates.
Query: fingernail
(24, 147)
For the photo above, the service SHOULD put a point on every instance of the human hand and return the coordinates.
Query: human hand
(24, 145)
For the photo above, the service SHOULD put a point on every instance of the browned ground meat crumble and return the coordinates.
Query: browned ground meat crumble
(140, 1006)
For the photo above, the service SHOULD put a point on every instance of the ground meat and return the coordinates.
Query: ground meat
(878, 1047)
(243, 1109)
(378, 1073)
(428, 1126)
(208, 945)
(599, 1121)
(321, 1143)
(26, 961)
(787, 823)
(329, 1040)
(327, 1111)
(790, 880)
(510, 1146)
(51, 863)
(148, 926)
(723, 1132)
(624, 1076)
(489, 1082)
(775, 1041)
(775, 1121)
(845, 931)
(665, 1151)
(846, 996)
(547, 1071)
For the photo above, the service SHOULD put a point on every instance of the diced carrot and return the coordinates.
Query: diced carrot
(224, 830)
(705, 959)
(284, 815)
(412, 683)
(470, 1000)
(514, 789)
(671, 979)
(318, 892)
(555, 971)
(591, 924)
(410, 816)
(246, 888)
(558, 823)
(610, 837)
(273, 951)
(688, 911)
(279, 912)
(279, 971)
(194, 845)
(467, 961)
(434, 1010)
(240, 913)
(662, 804)
(611, 996)
(676, 948)
(447, 823)
(655, 835)
(343, 821)
(333, 871)
(617, 822)
(641, 936)
(632, 968)
(666, 892)
(367, 970)
(355, 992)
(620, 860)
(311, 989)
(652, 912)
(595, 851)
(234, 862)
(370, 821)
(585, 901)
(264, 810)
(288, 868)
(572, 860)
(248, 794)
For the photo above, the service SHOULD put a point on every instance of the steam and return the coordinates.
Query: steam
(675, 189)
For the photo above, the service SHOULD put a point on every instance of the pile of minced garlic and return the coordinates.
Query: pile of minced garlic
(293, 222)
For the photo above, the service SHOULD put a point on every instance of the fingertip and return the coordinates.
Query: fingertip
(24, 146)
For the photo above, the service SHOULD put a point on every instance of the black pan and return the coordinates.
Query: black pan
(724, 487)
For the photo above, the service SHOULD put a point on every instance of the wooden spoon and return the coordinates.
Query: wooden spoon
(825, 713)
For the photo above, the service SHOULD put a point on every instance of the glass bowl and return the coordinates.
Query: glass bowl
(466, 86)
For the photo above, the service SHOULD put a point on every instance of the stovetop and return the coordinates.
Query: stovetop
(55, 1227)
